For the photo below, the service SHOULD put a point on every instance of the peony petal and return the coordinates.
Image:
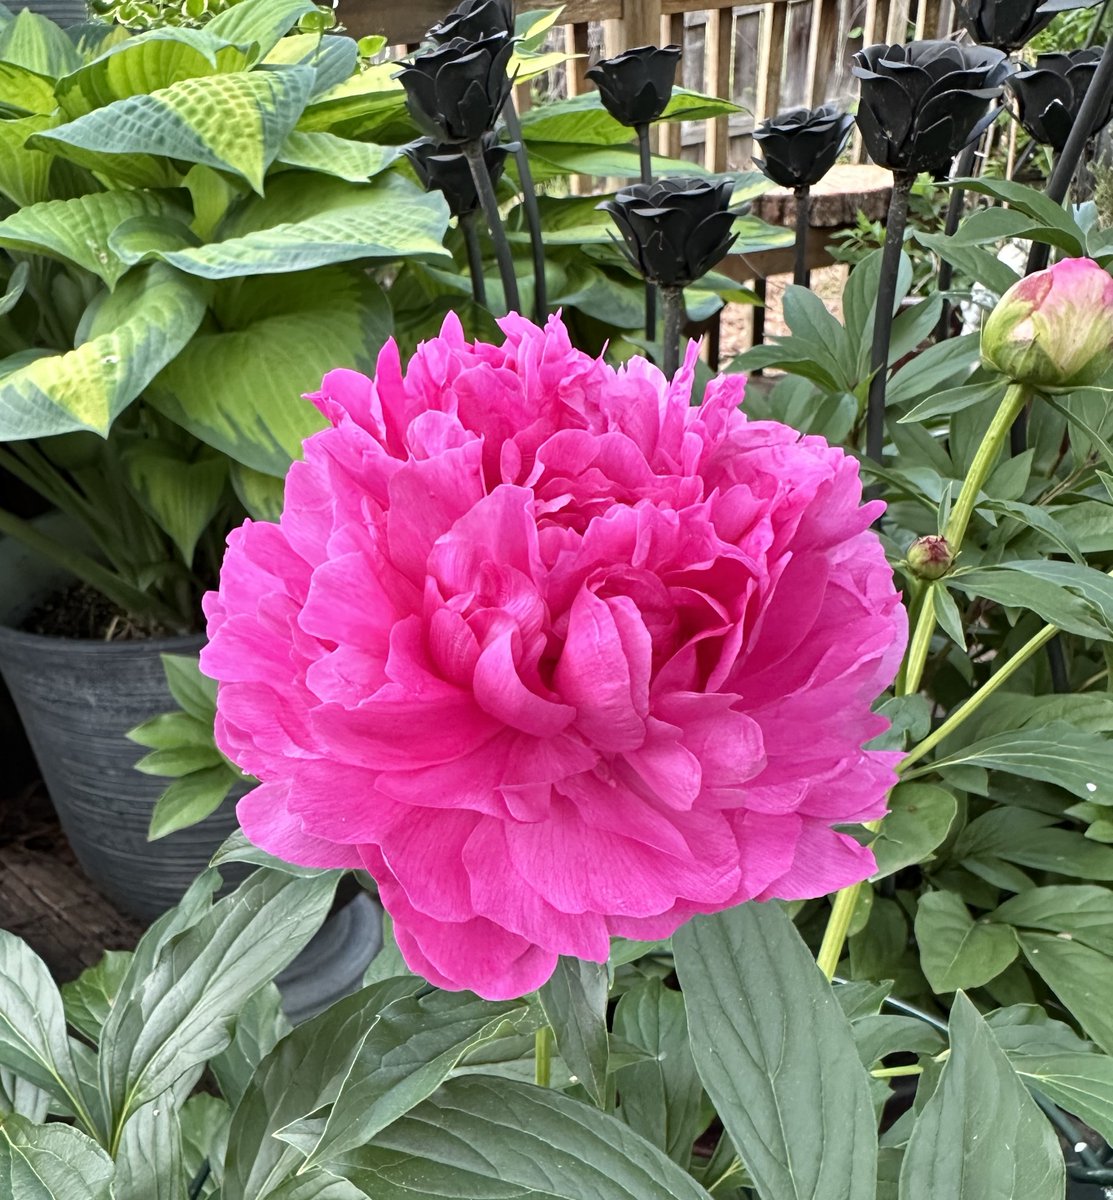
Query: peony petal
(267, 821)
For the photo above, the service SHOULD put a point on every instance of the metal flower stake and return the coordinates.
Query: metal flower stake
(635, 88)
(921, 104)
(445, 169)
(474, 20)
(455, 94)
(675, 231)
(799, 147)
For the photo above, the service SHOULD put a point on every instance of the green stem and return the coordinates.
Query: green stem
(543, 1056)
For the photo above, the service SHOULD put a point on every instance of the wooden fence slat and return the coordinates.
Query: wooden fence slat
(576, 42)
(774, 21)
(719, 54)
(822, 48)
(670, 29)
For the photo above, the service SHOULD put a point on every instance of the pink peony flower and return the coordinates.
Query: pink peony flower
(555, 656)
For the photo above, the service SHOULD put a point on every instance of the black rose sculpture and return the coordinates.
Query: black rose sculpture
(923, 103)
(675, 231)
(456, 92)
(636, 87)
(445, 169)
(475, 19)
(1049, 95)
(799, 146)
(1005, 24)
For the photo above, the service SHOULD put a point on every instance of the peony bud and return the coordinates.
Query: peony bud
(1053, 329)
(930, 557)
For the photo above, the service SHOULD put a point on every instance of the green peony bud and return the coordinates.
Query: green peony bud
(930, 557)
(1053, 329)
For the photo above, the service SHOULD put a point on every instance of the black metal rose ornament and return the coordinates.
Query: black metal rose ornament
(445, 169)
(1049, 95)
(475, 19)
(675, 231)
(636, 87)
(1005, 24)
(801, 145)
(923, 103)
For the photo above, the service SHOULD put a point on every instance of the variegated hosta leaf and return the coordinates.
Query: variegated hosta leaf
(114, 170)
(78, 230)
(235, 122)
(241, 391)
(258, 24)
(307, 221)
(24, 172)
(24, 91)
(372, 95)
(331, 155)
(33, 42)
(130, 335)
(146, 63)
(334, 58)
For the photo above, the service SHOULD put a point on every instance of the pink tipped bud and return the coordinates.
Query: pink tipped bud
(1053, 328)
(930, 557)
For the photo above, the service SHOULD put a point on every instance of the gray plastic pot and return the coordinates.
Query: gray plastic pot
(77, 699)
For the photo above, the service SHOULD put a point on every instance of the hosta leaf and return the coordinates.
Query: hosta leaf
(78, 230)
(980, 1136)
(583, 119)
(146, 63)
(40, 45)
(494, 1138)
(24, 91)
(180, 492)
(132, 335)
(331, 155)
(257, 23)
(24, 172)
(51, 1162)
(232, 122)
(777, 1056)
(334, 58)
(241, 391)
(260, 494)
(955, 950)
(311, 221)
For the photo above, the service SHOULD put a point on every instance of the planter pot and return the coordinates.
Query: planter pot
(77, 699)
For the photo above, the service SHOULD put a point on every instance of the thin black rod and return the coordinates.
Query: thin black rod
(646, 155)
(883, 314)
(1095, 28)
(200, 1179)
(761, 289)
(533, 213)
(963, 169)
(473, 152)
(672, 301)
(469, 228)
(803, 225)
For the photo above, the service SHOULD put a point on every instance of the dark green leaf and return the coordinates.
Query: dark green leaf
(955, 950)
(51, 1162)
(1082, 978)
(149, 1158)
(919, 817)
(776, 1056)
(89, 997)
(575, 1004)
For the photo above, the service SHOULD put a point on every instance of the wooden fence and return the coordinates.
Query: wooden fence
(765, 56)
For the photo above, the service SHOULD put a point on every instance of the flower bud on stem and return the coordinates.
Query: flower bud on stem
(908, 682)
(473, 151)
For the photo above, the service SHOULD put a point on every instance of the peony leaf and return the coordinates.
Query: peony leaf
(194, 692)
(405, 1057)
(980, 1134)
(52, 1162)
(777, 1056)
(149, 1158)
(955, 950)
(575, 1004)
(1077, 913)
(661, 1098)
(479, 1138)
(191, 798)
(920, 816)
(1080, 976)
(89, 998)
(242, 390)
(178, 1014)
(1080, 1083)
(303, 1072)
(260, 1026)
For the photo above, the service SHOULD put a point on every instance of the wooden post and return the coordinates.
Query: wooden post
(575, 42)
(896, 29)
(719, 53)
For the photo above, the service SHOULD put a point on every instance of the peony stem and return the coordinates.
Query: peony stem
(673, 303)
(908, 683)
(543, 1056)
(646, 155)
(533, 213)
(883, 314)
(963, 169)
(468, 222)
(803, 225)
(473, 152)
